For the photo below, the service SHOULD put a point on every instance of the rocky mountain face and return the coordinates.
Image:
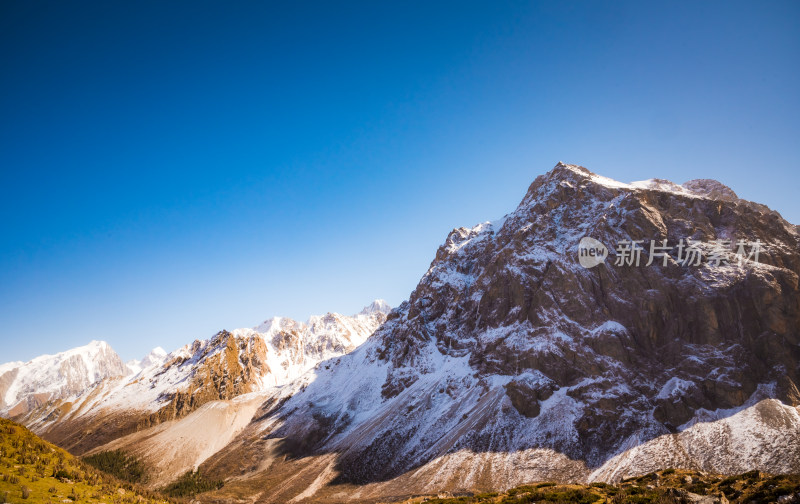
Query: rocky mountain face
(25, 386)
(511, 362)
(169, 387)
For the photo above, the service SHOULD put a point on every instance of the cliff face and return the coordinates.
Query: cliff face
(670, 340)
(227, 367)
(511, 362)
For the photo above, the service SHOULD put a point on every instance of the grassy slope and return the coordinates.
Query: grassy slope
(28, 461)
(664, 487)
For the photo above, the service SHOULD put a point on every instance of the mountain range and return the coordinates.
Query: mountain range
(510, 362)
(85, 397)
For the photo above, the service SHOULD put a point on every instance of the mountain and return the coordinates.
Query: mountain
(511, 362)
(155, 357)
(211, 377)
(601, 330)
(26, 386)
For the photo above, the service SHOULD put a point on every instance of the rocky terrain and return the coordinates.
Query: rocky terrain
(669, 486)
(511, 363)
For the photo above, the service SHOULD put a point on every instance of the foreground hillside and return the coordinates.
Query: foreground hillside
(33, 470)
(662, 487)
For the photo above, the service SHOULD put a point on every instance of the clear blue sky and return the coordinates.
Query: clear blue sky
(169, 169)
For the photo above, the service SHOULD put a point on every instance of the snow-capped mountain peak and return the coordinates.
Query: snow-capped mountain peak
(27, 385)
(274, 324)
(379, 305)
(155, 357)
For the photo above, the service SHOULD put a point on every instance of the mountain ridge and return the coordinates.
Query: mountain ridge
(171, 386)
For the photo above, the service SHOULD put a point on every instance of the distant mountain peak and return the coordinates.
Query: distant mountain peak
(27, 385)
(156, 356)
(285, 323)
(158, 351)
(377, 306)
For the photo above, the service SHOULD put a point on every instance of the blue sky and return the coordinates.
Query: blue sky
(169, 169)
